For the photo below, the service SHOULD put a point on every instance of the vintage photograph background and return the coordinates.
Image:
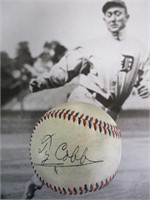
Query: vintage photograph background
(26, 25)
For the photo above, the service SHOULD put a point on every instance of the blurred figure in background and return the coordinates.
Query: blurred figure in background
(57, 51)
(14, 78)
(52, 53)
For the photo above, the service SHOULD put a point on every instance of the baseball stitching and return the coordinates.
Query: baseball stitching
(84, 120)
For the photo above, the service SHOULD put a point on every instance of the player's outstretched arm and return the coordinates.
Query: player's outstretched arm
(55, 78)
(70, 66)
(37, 84)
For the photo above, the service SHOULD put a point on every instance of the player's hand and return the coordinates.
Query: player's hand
(37, 84)
(144, 91)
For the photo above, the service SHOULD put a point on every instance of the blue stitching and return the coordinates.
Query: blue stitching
(109, 131)
(104, 124)
(69, 117)
(76, 114)
(79, 121)
(86, 188)
(46, 183)
(100, 187)
(86, 118)
(60, 114)
(97, 186)
(90, 124)
(81, 192)
(107, 182)
(96, 121)
(64, 190)
(100, 128)
(67, 111)
(55, 188)
(52, 113)
(75, 190)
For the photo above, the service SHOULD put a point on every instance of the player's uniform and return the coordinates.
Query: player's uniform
(108, 70)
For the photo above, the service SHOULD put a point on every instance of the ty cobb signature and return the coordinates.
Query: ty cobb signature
(63, 155)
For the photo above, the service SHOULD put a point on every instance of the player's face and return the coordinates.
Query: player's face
(116, 18)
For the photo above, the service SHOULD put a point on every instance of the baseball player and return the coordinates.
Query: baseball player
(108, 68)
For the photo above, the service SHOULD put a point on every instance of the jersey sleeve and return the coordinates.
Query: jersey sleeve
(75, 62)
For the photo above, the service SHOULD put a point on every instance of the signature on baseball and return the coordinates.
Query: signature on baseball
(62, 154)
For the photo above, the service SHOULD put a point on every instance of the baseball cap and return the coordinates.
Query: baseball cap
(113, 3)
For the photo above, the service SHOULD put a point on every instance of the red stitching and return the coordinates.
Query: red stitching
(56, 114)
(95, 126)
(64, 115)
(47, 115)
(91, 187)
(70, 191)
(91, 119)
(80, 189)
(72, 112)
(108, 126)
(59, 189)
(95, 189)
(102, 184)
(51, 187)
(104, 130)
(100, 122)
(74, 118)
(113, 132)
(63, 110)
(81, 116)
(110, 179)
(84, 122)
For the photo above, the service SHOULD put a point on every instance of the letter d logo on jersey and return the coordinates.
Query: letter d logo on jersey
(127, 63)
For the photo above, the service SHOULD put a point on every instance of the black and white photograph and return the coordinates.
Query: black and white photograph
(83, 52)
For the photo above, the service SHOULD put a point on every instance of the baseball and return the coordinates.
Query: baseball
(75, 148)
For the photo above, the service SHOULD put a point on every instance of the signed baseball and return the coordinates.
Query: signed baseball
(75, 148)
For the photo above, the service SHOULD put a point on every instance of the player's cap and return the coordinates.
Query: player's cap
(113, 3)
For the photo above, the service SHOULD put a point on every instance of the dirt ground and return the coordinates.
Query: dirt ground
(131, 182)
